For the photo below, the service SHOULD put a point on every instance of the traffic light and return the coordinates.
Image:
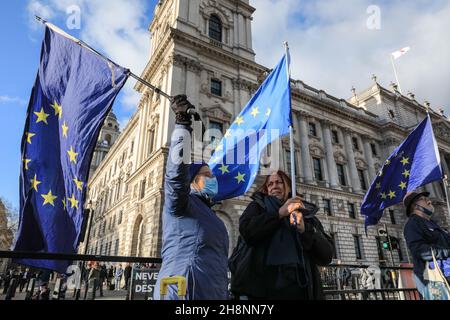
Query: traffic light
(385, 243)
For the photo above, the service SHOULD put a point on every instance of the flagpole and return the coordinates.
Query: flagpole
(86, 46)
(445, 180)
(396, 75)
(291, 129)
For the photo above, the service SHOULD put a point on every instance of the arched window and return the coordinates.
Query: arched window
(215, 28)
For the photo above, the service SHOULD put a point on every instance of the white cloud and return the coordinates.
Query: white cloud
(37, 8)
(8, 99)
(114, 28)
(332, 48)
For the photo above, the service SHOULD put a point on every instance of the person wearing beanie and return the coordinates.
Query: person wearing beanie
(195, 240)
(422, 234)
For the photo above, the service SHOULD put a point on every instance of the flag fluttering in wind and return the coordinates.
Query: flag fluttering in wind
(73, 94)
(415, 163)
(266, 117)
(401, 52)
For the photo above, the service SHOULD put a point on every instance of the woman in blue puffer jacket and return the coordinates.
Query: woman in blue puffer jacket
(195, 240)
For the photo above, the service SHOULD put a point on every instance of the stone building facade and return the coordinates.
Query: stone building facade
(203, 48)
(6, 235)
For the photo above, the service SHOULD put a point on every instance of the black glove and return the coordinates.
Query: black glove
(181, 106)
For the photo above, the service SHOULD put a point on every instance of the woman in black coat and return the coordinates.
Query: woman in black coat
(282, 246)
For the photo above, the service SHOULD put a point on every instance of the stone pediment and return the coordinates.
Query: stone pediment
(361, 163)
(340, 157)
(217, 112)
(317, 150)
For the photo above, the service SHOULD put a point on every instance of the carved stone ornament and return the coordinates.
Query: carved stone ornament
(340, 157)
(317, 150)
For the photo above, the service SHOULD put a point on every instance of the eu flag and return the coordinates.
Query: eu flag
(414, 163)
(73, 93)
(266, 117)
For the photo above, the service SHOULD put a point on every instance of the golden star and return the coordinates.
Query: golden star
(239, 121)
(64, 201)
(58, 109)
(42, 116)
(26, 161)
(380, 174)
(65, 129)
(405, 161)
(391, 195)
(29, 136)
(383, 196)
(73, 202)
(402, 185)
(378, 186)
(255, 112)
(79, 184)
(240, 177)
(406, 173)
(72, 155)
(224, 169)
(34, 183)
(269, 111)
(388, 162)
(49, 198)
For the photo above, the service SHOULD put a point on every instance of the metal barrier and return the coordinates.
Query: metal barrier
(382, 294)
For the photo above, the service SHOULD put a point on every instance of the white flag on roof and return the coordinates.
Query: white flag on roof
(399, 53)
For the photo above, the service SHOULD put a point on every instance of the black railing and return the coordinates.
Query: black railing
(377, 294)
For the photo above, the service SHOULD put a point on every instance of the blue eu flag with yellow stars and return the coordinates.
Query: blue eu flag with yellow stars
(266, 117)
(414, 163)
(73, 94)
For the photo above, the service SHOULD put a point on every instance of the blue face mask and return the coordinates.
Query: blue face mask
(211, 187)
(428, 212)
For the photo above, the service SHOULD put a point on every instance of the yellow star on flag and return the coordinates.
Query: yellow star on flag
(240, 177)
(58, 109)
(29, 136)
(269, 111)
(255, 112)
(79, 184)
(26, 161)
(380, 174)
(406, 173)
(49, 198)
(224, 169)
(73, 202)
(35, 182)
(392, 195)
(378, 186)
(388, 162)
(72, 155)
(383, 196)
(405, 161)
(64, 201)
(239, 121)
(402, 185)
(42, 116)
(65, 129)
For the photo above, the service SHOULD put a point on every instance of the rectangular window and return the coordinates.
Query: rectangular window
(142, 191)
(216, 87)
(151, 141)
(120, 218)
(392, 216)
(341, 174)
(335, 245)
(312, 129)
(116, 250)
(317, 169)
(351, 210)
(132, 147)
(327, 207)
(355, 143)
(362, 179)
(374, 149)
(335, 136)
(358, 251)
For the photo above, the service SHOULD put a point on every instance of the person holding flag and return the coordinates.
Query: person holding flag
(413, 164)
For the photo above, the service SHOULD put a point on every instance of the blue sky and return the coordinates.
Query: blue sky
(332, 49)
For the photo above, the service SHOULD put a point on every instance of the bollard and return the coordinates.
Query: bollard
(10, 293)
(92, 289)
(30, 289)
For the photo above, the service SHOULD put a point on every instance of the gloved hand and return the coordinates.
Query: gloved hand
(181, 106)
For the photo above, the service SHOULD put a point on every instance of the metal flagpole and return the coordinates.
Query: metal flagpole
(396, 75)
(445, 180)
(291, 129)
(86, 46)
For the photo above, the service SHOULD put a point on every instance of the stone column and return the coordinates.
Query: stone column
(369, 157)
(329, 154)
(297, 142)
(356, 185)
(444, 164)
(304, 143)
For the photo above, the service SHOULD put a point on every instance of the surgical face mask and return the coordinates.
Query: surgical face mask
(428, 212)
(211, 187)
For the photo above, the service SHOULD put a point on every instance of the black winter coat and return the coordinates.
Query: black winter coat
(256, 279)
